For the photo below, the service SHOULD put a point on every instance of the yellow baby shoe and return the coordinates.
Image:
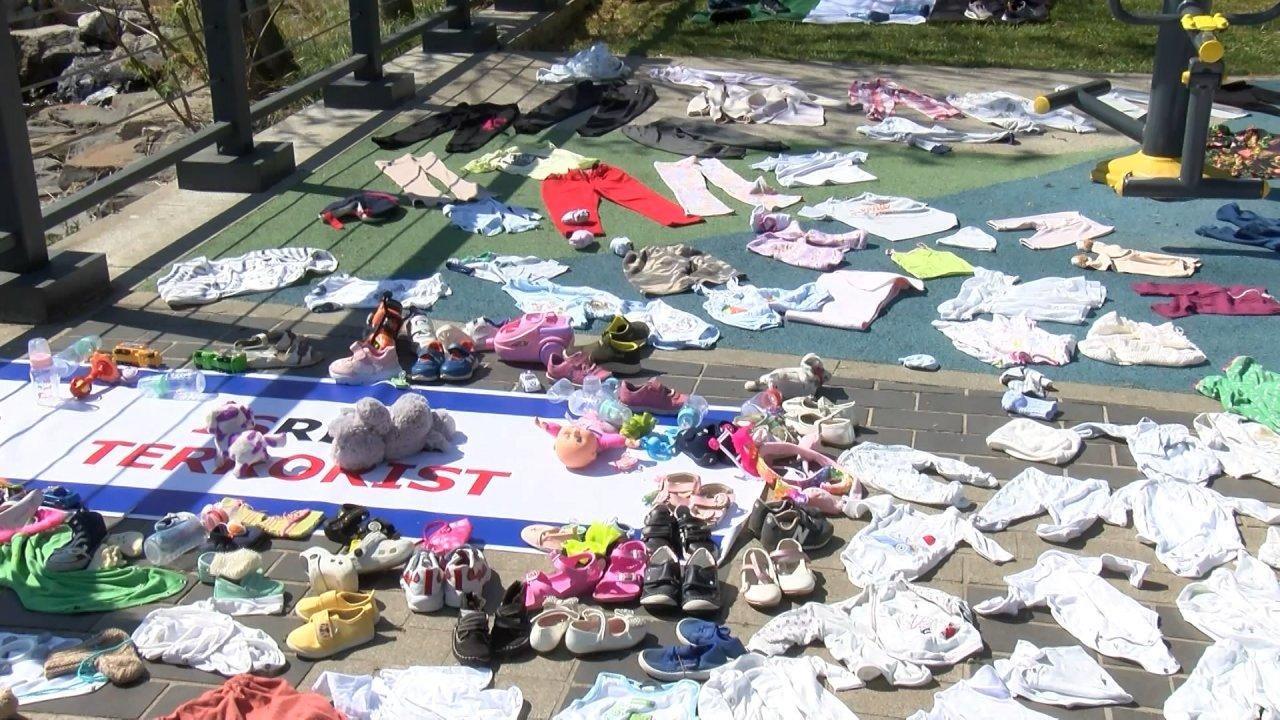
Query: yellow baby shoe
(329, 632)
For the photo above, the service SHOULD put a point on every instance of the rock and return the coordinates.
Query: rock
(99, 26)
(45, 52)
(109, 155)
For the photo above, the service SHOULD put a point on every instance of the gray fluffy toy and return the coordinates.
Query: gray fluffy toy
(372, 433)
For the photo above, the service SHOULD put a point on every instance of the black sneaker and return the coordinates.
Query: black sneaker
(762, 509)
(662, 579)
(660, 530)
(344, 528)
(88, 530)
(700, 588)
(694, 533)
(471, 639)
(510, 636)
(811, 530)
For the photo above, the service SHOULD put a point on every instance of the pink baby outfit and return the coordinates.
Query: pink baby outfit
(879, 97)
(1208, 299)
(857, 297)
(812, 249)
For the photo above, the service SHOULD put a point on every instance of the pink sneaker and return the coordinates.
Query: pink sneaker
(365, 366)
(652, 397)
(575, 368)
(575, 576)
(623, 580)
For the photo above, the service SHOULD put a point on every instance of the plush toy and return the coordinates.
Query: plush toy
(578, 443)
(802, 381)
(372, 433)
(237, 438)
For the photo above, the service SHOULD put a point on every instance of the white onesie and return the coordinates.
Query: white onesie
(1064, 676)
(1054, 299)
(1235, 604)
(1245, 448)
(1088, 607)
(1121, 341)
(1053, 230)
(1232, 681)
(755, 687)
(1003, 341)
(892, 218)
(981, 697)
(1162, 452)
(899, 471)
(1073, 505)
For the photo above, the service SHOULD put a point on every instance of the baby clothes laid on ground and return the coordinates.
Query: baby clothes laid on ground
(592, 63)
(1208, 299)
(582, 190)
(1192, 527)
(752, 308)
(817, 168)
(926, 263)
(688, 179)
(1064, 300)
(414, 175)
(503, 268)
(1162, 452)
(556, 161)
(812, 249)
(617, 696)
(892, 218)
(878, 98)
(580, 304)
(970, 238)
(857, 298)
(880, 12)
(206, 640)
(22, 670)
(199, 281)
(1003, 341)
(747, 97)
(248, 697)
(618, 106)
(1014, 112)
(1090, 608)
(420, 693)
(1245, 448)
(1231, 680)
(1134, 262)
(755, 687)
(1121, 341)
(902, 541)
(1063, 676)
(1073, 505)
(670, 269)
(981, 697)
(1269, 551)
(344, 291)
(894, 629)
(931, 139)
(1246, 388)
(670, 328)
(1241, 603)
(900, 471)
(1053, 230)
(1029, 440)
(1246, 228)
(472, 126)
(700, 139)
(490, 216)
(577, 98)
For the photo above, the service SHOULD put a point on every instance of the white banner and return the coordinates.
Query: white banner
(126, 453)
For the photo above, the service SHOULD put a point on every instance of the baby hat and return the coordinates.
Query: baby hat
(1029, 440)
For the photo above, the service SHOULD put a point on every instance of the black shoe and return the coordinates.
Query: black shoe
(661, 580)
(694, 534)
(700, 587)
(344, 528)
(510, 635)
(660, 530)
(378, 525)
(718, 17)
(809, 529)
(220, 540)
(762, 509)
(88, 530)
(471, 639)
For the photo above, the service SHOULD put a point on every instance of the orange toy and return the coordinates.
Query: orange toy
(102, 367)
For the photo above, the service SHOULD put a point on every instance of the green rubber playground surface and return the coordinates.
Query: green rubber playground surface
(974, 184)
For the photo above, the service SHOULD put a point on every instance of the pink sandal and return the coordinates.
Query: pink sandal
(677, 489)
(711, 502)
(576, 575)
(623, 580)
(446, 537)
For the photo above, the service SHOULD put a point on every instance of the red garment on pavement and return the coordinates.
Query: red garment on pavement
(249, 697)
(582, 190)
(1209, 299)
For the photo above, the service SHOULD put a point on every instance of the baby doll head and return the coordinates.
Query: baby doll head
(576, 446)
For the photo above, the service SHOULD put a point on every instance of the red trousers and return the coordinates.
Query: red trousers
(582, 190)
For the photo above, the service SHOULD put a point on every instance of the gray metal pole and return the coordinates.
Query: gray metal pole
(22, 245)
(228, 79)
(1167, 113)
(366, 38)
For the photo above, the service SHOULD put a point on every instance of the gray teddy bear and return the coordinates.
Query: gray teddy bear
(372, 433)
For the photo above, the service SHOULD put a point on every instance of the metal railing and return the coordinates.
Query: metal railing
(220, 156)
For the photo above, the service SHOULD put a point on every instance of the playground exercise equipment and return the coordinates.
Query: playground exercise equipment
(1188, 69)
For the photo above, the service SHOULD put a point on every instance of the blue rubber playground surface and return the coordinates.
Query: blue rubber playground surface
(973, 185)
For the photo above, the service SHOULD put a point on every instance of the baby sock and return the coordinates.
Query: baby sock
(620, 246)
(576, 217)
(1019, 404)
(919, 362)
(580, 239)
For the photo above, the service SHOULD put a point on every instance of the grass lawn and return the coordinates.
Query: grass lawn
(1081, 35)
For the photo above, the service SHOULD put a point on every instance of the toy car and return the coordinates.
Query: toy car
(533, 338)
(221, 361)
(136, 354)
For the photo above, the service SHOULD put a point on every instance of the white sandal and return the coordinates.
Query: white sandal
(759, 579)
(791, 566)
(376, 552)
